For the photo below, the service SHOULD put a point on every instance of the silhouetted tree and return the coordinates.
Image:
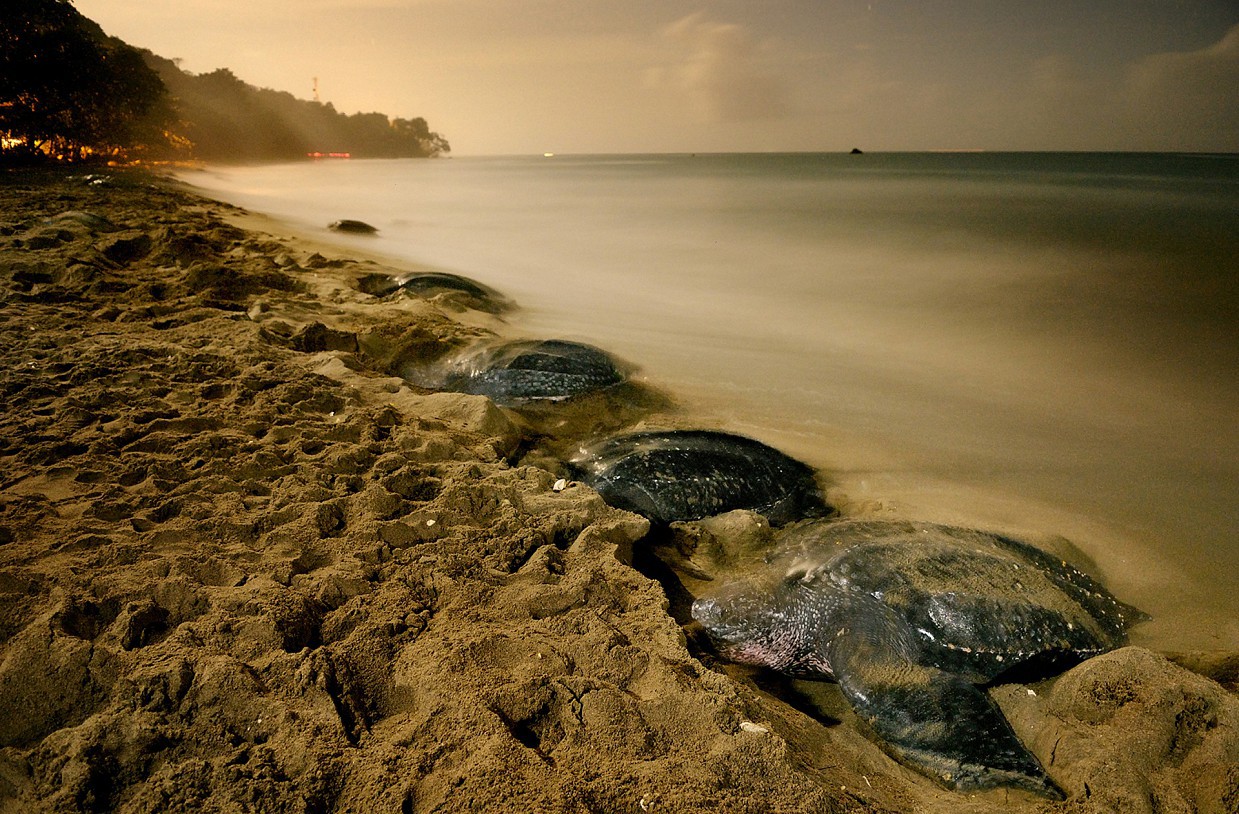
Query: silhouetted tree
(67, 89)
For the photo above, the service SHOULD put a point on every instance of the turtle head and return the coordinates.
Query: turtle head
(772, 625)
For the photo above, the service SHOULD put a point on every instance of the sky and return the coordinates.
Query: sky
(499, 77)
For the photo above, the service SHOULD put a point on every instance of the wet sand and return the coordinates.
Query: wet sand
(244, 567)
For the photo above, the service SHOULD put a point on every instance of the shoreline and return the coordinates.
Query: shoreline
(240, 561)
(940, 413)
(879, 439)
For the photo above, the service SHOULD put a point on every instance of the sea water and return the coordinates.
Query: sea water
(1039, 343)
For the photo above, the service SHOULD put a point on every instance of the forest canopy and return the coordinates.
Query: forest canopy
(229, 120)
(70, 92)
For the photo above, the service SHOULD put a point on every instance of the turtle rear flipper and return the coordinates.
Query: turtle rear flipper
(937, 722)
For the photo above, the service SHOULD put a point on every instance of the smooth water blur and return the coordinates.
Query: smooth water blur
(1045, 343)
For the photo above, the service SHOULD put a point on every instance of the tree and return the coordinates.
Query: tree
(227, 119)
(67, 90)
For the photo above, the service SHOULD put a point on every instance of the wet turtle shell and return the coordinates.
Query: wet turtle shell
(429, 283)
(912, 620)
(88, 220)
(522, 371)
(691, 474)
(354, 227)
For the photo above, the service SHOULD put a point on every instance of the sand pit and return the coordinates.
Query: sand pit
(244, 567)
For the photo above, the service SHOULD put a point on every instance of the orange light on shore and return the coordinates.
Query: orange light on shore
(328, 155)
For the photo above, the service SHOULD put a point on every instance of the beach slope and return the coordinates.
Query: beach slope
(243, 567)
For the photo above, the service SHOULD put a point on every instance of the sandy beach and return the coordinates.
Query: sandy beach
(246, 567)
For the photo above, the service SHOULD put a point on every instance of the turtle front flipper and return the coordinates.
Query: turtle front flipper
(937, 722)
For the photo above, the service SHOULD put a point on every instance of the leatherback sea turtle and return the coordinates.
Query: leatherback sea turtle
(691, 474)
(434, 282)
(517, 372)
(913, 620)
(356, 227)
(89, 220)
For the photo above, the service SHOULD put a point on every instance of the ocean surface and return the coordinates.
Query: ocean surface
(1040, 343)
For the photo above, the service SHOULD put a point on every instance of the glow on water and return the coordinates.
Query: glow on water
(1041, 343)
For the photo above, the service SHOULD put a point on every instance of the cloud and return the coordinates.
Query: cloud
(1166, 101)
(1189, 97)
(719, 70)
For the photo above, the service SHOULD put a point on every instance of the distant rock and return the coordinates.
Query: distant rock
(856, 151)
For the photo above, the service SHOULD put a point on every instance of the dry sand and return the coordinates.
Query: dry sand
(244, 568)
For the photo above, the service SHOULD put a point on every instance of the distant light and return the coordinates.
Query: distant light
(548, 155)
(317, 154)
